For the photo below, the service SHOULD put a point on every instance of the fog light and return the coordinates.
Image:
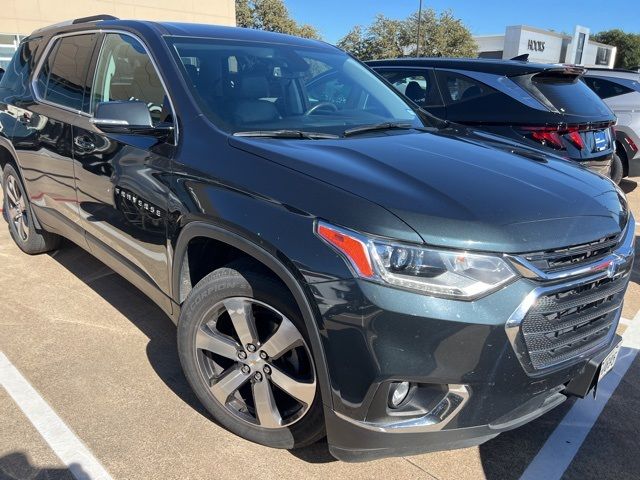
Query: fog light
(398, 393)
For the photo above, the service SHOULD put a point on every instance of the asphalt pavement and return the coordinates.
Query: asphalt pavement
(93, 389)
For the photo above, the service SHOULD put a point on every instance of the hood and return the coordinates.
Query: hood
(461, 189)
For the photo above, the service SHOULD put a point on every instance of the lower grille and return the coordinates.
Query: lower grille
(566, 323)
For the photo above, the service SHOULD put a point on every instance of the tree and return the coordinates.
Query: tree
(353, 42)
(440, 35)
(272, 16)
(628, 44)
(244, 16)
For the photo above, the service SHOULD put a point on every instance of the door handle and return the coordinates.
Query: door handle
(84, 143)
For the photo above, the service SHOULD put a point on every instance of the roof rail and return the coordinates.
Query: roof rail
(605, 69)
(94, 18)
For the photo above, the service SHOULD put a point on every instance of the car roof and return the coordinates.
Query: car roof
(626, 74)
(181, 29)
(508, 68)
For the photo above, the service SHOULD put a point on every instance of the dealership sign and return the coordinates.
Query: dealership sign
(535, 45)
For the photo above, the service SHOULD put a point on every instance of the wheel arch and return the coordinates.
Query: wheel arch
(200, 229)
(8, 155)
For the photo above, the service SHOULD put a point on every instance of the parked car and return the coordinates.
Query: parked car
(539, 104)
(337, 261)
(620, 90)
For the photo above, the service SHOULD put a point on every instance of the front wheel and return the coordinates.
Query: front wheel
(17, 212)
(244, 350)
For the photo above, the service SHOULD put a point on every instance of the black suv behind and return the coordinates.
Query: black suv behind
(539, 104)
(337, 262)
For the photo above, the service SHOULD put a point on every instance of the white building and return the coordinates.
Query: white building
(547, 47)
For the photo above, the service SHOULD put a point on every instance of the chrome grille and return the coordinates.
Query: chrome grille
(563, 324)
(569, 257)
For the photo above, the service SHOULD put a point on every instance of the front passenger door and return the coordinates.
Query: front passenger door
(123, 179)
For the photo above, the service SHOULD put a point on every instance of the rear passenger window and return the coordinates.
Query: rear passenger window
(419, 86)
(125, 72)
(62, 77)
(606, 88)
(457, 88)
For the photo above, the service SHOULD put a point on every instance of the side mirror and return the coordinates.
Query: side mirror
(129, 117)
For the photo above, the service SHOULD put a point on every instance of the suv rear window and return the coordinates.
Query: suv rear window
(62, 77)
(564, 93)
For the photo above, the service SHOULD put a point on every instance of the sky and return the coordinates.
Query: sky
(334, 18)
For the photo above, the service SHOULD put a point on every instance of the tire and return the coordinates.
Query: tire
(205, 325)
(18, 214)
(617, 169)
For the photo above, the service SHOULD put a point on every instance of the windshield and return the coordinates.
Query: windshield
(248, 86)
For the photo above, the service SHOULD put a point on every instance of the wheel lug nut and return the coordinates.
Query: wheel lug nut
(263, 355)
(258, 376)
(242, 355)
(267, 369)
(251, 347)
(245, 369)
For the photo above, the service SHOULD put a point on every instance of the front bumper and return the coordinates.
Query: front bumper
(469, 383)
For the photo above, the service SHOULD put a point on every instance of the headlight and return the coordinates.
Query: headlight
(437, 272)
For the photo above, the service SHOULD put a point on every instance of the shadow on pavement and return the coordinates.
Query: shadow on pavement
(162, 351)
(507, 456)
(628, 185)
(611, 448)
(16, 465)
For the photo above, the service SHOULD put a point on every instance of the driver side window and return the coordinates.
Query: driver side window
(125, 72)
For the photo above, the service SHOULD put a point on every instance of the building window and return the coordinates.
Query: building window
(603, 56)
(580, 48)
(8, 45)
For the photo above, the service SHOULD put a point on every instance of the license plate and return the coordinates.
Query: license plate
(602, 141)
(609, 362)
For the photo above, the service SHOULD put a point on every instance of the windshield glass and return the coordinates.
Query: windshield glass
(248, 86)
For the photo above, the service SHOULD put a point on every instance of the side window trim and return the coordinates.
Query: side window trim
(91, 73)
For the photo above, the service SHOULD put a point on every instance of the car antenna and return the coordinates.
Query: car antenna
(521, 58)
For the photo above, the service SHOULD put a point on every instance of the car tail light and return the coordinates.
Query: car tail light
(575, 138)
(548, 136)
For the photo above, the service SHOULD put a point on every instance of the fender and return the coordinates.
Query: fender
(6, 143)
(215, 232)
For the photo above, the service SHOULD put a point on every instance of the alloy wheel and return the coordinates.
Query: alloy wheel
(17, 208)
(255, 362)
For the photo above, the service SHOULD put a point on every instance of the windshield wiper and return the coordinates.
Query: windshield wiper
(286, 134)
(377, 126)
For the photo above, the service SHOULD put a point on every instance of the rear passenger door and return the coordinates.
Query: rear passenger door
(43, 135)
(123, 179)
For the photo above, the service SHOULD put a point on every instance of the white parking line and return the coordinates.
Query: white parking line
(563, 444)
(65, 444)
